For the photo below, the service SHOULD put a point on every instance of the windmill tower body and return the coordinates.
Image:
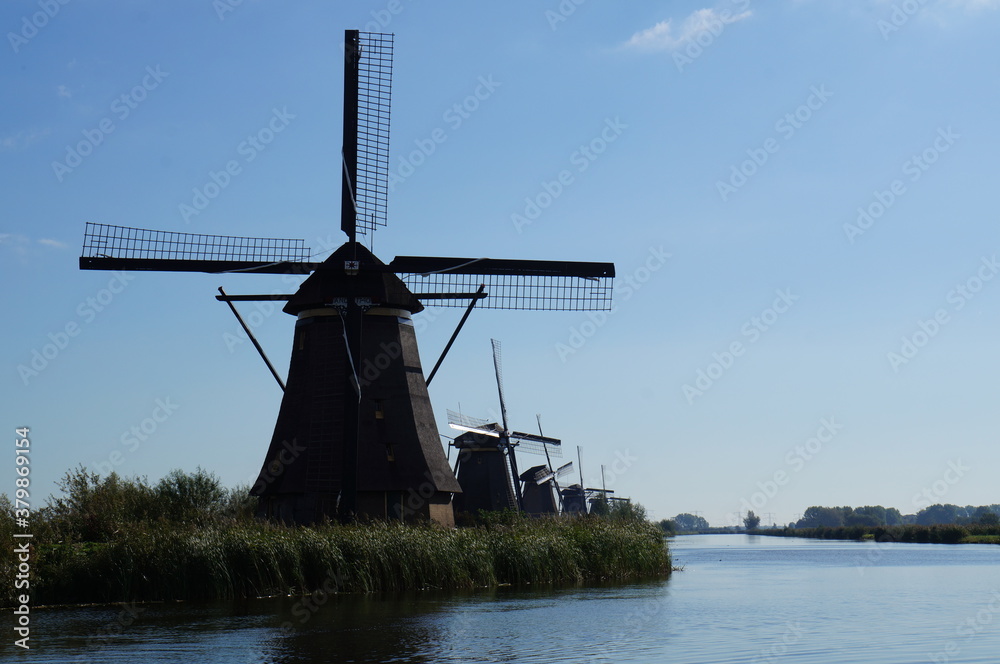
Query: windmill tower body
(483, 475)
(574, 499)
(538, 497)
(401, 468)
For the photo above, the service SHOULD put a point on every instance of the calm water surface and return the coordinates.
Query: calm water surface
(739, 599)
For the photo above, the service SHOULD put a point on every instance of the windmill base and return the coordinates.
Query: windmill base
(308, 509)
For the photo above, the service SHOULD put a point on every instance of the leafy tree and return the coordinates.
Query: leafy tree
(869, 515)
(816, 516)
(751, 520)
(990, 519)
(936, 514)
(93, 508)
(669, 526)
(191, 496)
(984, 514)
(626, 510)
(689, 522)
(893, 517)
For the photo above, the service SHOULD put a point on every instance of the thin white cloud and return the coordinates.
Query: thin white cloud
(63, 91)
(22, 244)
(15, 243)
(663, 36)
(22, 139)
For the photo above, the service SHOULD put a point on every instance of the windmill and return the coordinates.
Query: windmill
(481, 467)
(541, 488)
(355, 433)
(486, 453)
(576, 497)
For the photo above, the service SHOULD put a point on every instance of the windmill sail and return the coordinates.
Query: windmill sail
(107, 247)
(367, 97)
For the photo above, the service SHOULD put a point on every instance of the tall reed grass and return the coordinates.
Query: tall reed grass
(82, 555)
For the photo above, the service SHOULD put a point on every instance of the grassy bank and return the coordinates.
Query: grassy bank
(111, 540)
(938, 534)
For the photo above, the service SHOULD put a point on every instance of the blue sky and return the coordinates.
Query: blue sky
(799, 198)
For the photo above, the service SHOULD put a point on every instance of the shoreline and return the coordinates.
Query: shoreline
(910, 533)
(168, 562)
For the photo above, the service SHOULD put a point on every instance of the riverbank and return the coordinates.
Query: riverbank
(114, 539)
(152, 562)
(937, 534)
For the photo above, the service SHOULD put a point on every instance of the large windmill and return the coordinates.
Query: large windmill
(355, 434)
(487, 466)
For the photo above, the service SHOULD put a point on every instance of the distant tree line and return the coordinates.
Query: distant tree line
(684, 523)
(876, 515)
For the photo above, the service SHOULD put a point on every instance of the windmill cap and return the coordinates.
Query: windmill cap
(372, 279)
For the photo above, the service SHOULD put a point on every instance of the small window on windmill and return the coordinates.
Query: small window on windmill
(379, 413)
(302, 340)
(389, 452)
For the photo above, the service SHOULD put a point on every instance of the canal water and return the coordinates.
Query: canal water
(739, 599)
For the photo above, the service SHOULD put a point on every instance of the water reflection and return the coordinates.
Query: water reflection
(739, 599)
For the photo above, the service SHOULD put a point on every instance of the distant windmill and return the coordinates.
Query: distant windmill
(576, 497)
(486, 452)
(540, 492)
(355, 434)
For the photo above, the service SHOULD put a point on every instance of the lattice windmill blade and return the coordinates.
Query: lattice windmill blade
(455, 417)
(510, 284)
(543, 476)
(367, 97)
(107, 247)
(545, 440)
(544, 445)
(463, 422)
(534, 447)
(564, 470)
